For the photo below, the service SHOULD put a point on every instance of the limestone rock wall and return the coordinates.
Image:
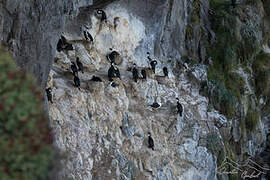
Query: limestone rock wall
(31, 30)
(104, 129)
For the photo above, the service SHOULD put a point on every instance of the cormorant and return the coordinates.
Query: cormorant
(143, 72)
(63, 44)
(153, 65)
(49, 94)
(96, 79)
(112, 56)
(150, 141)
(179, 107)
(59, 46)
(111, 72)
(155, 105)
(77, 82)
(79, 64)
(116, 71)
(113, 84)
(148, 56)
(165, 71)
(103, 15)
(135, 72)
(88, 36)
(74, 68)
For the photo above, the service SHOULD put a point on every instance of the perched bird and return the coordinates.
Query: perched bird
(59, 46)
(113, 56)
(165, 71)
(49, 94)
(88, 36)
(96, 79)
(74, 68)
(63, 44)
(150, 141)
(153, 65)
(179, 107)
(103, 15)
(135, 73)
(148, 56)
(111, 73)
(77, 82)
(79, 64)
(143, 72)
(155, 105)
(116, 71)
(113, 84)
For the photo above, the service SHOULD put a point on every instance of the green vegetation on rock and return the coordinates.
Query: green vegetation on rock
(261, 68)
(221, 98)
(26, 141)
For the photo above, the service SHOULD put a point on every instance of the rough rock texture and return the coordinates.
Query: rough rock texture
(103, 129)
(31, 30)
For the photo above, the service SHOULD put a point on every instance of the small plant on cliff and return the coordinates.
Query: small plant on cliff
(25, 139)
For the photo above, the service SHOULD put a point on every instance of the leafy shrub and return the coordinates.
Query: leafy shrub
(25, 139)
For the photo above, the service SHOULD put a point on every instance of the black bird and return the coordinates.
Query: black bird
(96, 79)
(153, 65)
(148, 56)
(49, 94)
(150, 141)
(64, 40)
(155, 105)
(77, 82)
(135, 72)
(143, 72)
(113, 84)
(116, 71)
(74, 68)
(79, 64)
(179, 107)
(103, 15)
(60, 45)
(112, 56)
(63, 44)
(88, 36)
(165, 71)
(113, 72)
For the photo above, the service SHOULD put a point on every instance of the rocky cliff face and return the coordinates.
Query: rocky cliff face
(31, 30)
(218, 61)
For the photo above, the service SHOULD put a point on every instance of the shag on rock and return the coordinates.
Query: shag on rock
(150, 142)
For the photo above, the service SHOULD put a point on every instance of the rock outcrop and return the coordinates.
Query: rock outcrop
(216, 56)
